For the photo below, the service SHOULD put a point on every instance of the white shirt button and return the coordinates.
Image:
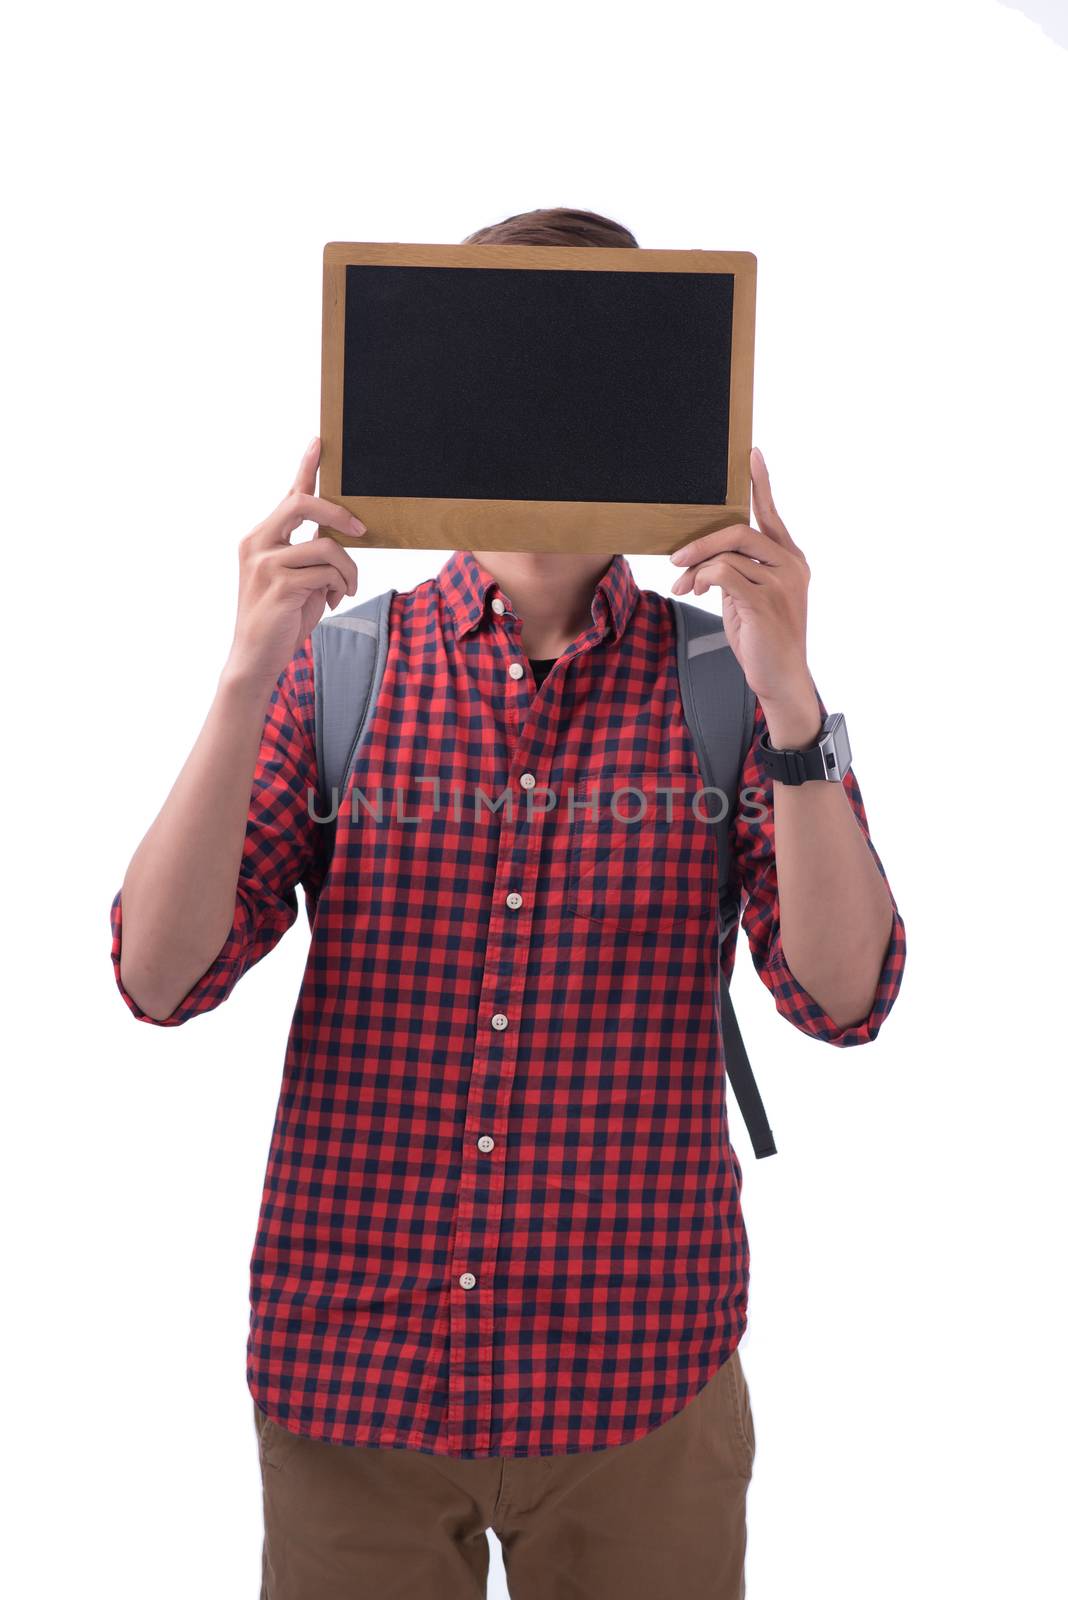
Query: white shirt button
(527, 780)
(485, 1143)
(499, 1020)
(515, 669)
(467, 1280)
(514, 900)
(497, 604)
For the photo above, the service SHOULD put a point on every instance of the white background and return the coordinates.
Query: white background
(171, 177)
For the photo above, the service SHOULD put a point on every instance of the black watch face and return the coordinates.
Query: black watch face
(841, 744)
(836, 751)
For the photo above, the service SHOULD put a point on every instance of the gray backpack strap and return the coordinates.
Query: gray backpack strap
(349, 654)
(720, 707)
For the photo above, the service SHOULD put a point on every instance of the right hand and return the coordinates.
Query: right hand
(283, 588)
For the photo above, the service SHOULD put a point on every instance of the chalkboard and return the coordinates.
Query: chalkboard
(514, 397)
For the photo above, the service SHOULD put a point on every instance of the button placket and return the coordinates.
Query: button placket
(480, 1195)
(481, 1183)
(509, 641)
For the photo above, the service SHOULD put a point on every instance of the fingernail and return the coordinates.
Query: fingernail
(677, 557)
(357, 525)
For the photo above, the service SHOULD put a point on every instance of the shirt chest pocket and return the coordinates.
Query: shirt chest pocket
(638, 856)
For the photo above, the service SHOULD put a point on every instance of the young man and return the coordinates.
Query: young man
(501, 1270)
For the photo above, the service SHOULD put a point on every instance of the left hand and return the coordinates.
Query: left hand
(764, 577)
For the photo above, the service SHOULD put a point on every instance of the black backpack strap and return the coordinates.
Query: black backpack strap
(349, 655)
(720, 707)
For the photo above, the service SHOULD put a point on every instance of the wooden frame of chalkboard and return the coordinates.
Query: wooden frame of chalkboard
(700, 330)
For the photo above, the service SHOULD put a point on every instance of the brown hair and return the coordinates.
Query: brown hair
(554, 225)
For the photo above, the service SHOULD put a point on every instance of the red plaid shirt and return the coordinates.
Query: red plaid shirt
(501, 1211)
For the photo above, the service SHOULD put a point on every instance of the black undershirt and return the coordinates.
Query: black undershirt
(540, 669)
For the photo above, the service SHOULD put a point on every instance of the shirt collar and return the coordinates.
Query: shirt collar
(468, 589)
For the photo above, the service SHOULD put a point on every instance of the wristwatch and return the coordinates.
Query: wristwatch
(829, 758)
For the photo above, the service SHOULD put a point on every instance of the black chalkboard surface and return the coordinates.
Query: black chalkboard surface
(537, 397)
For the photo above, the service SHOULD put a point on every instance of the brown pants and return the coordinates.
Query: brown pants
(661, 1517)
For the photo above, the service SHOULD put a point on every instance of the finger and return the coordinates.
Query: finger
(318, 552)
(312, 610)
(738, 537)
(767, 515)
(298, 507)
(319, 598)
(733, 574)
(304, 482)
(304, 580)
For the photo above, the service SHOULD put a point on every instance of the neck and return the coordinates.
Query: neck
(552, 592)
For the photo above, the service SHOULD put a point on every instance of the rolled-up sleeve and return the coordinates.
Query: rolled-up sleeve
(753, 834)
(281, 848)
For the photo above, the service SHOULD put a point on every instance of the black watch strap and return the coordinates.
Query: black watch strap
(792, 766)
